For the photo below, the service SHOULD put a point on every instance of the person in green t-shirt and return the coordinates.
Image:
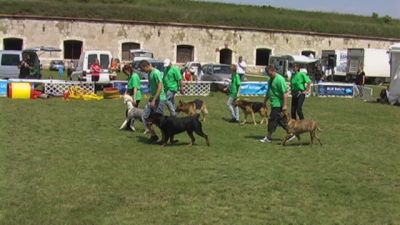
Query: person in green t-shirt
(157, 95)
(277, 94)
(173, 83)
(233, 93)
(300, 86)
(134, 84)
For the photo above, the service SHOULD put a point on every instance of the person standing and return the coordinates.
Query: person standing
(24, 67)
(172, 84)
(134, 84)
(278, 95)
(233, 93)
(241, 68)
(95, 70)
(360, 80)
(157, 95)
(300, 86)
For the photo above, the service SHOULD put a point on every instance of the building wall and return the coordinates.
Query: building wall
(163, 39)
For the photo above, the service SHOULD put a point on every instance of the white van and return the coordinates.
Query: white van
(9, 60)
(82, 71)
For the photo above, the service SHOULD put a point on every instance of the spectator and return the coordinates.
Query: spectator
(95, 70)
(70, 69)
(278, 95)
(319, 75)
(360, 80)
(172, 84)
(241, 68)
(233, 93)
(24, 67)
(114, 66)
(300, 86)
(187, 75)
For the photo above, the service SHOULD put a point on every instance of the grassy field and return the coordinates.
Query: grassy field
(67, 163)
(210, 14)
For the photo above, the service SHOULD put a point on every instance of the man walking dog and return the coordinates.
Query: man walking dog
(172, 84)
(157, 95)
(278, 95)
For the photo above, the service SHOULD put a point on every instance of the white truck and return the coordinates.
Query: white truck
(334, 64)
(374, 63)
(285, 64)
(82, 71)
(140, 54)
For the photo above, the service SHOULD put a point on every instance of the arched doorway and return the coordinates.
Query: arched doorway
(72, 49)
(225, 56)
(262, 56)
(13, 43)
(184, 53)
(126, 50)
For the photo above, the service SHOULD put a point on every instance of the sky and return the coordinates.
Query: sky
(360, 7)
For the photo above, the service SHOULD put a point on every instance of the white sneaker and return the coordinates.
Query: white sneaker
(291, 138)
(265, 140)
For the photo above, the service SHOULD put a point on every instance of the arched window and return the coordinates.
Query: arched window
(262, 56)
(126, 50)
(184, 53)
(72, 49)
(225, 56)
(13, 43)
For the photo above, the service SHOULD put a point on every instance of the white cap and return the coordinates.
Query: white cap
(192, 69)
(167, 62)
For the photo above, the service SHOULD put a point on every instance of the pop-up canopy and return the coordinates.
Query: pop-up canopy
(394, 89)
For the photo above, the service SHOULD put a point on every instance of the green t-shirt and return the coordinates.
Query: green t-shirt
(134, 82)
(235, 85)
(155, 78)
(299, 81)
(276, 89)
(172, 78)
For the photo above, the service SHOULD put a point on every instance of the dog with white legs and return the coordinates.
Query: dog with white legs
(132, 114)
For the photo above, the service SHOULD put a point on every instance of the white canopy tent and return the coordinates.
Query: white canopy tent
(394, 89)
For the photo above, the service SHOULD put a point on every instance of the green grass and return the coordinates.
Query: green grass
(209, 14)
(67, 163)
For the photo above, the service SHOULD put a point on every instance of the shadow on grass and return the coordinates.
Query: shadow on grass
(146, 140)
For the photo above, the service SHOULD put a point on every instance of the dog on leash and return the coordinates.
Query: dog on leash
(252, 108)
(132, 114)
(297, 127)
(171, 125)
(192, 108)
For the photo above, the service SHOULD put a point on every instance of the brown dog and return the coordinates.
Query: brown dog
(193, 108)
(252, 108)
(297, 127)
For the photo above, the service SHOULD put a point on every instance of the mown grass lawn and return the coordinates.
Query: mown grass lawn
(67, 163)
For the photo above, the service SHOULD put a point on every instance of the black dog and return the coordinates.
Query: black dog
(171, 125)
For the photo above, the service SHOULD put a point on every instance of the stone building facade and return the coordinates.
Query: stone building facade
(179, 42)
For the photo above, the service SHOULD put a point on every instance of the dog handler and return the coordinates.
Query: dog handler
(134, 84)
(172, 84)
(157, 95)
(301, 85)
(277, 94)
(233, 93)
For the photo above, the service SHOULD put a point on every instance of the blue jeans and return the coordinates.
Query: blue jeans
(171, 102)
(234, 109)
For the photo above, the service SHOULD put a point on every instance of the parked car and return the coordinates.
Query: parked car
(9, 61)
(217, 72)
(156, 63)
(86, 59)
(56, 65)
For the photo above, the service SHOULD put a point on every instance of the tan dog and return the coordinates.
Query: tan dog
(252, 108)
(297, 127)
(193, 108)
